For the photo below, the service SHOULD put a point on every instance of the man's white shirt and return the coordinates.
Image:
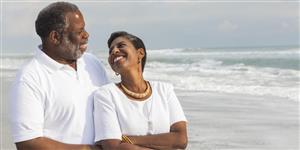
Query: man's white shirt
(49, 99)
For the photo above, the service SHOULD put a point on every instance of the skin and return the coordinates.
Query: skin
(65, 49)
(128, 66)
(132, 77)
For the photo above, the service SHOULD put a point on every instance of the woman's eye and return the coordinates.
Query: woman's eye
(121, 45)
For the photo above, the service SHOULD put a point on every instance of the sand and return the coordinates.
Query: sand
(220, 121)
(233, 121)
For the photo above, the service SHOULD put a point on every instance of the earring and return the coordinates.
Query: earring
(116, 73)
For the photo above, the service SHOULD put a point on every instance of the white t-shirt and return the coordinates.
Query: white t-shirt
(116, 115)
(49, 99)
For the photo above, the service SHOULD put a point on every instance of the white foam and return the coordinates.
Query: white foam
(230, 53)
(210, 75)
(202, 70)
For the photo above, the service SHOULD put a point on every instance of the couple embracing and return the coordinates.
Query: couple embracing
(62, 99)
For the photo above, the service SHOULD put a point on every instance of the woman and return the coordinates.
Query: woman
(135, 113)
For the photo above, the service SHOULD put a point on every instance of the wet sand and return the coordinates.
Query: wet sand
(232, 121)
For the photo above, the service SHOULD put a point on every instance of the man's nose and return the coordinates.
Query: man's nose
(85, 34)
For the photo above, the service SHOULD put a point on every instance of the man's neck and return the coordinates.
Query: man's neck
(72, 63)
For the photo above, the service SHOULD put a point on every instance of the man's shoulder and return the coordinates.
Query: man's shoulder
(89, 57)
(29, 70)
(92, 61)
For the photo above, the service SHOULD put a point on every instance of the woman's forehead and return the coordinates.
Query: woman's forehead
(120, 39)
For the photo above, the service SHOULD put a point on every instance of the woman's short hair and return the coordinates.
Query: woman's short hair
(136, 42)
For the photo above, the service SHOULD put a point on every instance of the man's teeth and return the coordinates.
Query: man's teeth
(118, 58)
(83, 46)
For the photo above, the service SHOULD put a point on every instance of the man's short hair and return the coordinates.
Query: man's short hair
(52, 18)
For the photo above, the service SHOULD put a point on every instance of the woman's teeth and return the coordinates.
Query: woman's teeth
(118, 58)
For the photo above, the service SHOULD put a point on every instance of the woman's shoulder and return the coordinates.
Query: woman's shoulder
(106, 89)
(161, 86)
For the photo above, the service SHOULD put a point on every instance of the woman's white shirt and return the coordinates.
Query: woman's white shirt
(116, 115)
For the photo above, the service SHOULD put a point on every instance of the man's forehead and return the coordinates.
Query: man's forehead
(71, 17)
(75, 14)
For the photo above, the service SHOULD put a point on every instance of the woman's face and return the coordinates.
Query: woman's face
(123, 55)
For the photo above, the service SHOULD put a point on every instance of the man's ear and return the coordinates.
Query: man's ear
(141, 53)
(55, 37)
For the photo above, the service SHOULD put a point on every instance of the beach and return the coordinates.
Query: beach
(233, 98)
(233, 121)
(221, 121)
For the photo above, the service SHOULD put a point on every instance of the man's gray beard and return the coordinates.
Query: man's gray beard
(73, 47)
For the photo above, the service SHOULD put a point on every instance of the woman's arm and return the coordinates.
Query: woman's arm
(115, 144)
(175, 139)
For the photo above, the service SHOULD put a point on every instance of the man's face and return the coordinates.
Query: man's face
(74, 38)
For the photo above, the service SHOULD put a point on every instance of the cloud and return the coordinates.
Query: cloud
(179, 23)
(19, 18)
(227, 26)
(285, 25)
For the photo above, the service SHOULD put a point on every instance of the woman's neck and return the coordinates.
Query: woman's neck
(134, 81)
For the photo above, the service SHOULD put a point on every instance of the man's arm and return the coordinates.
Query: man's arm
(175, 139)
(42, 143)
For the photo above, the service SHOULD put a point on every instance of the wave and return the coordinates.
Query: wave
(274, 72)
(210, 75)
(229, 53)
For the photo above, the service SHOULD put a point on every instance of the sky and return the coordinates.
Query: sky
(164, 24)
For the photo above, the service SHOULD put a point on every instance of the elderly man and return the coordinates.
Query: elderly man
(51, 98)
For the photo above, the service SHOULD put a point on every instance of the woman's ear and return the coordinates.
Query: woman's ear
(54, 37)
(141, 53)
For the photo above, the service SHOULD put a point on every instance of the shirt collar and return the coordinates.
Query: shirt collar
(47, 61)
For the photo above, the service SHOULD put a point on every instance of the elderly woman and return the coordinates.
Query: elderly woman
(135, 113)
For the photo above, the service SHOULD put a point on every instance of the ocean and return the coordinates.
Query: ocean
(273, 71)
(265, 73)
(255, 71)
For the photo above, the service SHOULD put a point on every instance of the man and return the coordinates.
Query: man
(52, 101)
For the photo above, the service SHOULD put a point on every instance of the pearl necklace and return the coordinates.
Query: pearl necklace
(136, 95)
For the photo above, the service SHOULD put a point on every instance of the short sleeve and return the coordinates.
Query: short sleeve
(98, 64)
(176, 111)
(26, 111)
(105, 117)
(103, 73)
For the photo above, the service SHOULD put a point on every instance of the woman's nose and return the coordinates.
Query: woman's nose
(115, 50)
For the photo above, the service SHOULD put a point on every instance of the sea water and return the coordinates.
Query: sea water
(272, 71)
